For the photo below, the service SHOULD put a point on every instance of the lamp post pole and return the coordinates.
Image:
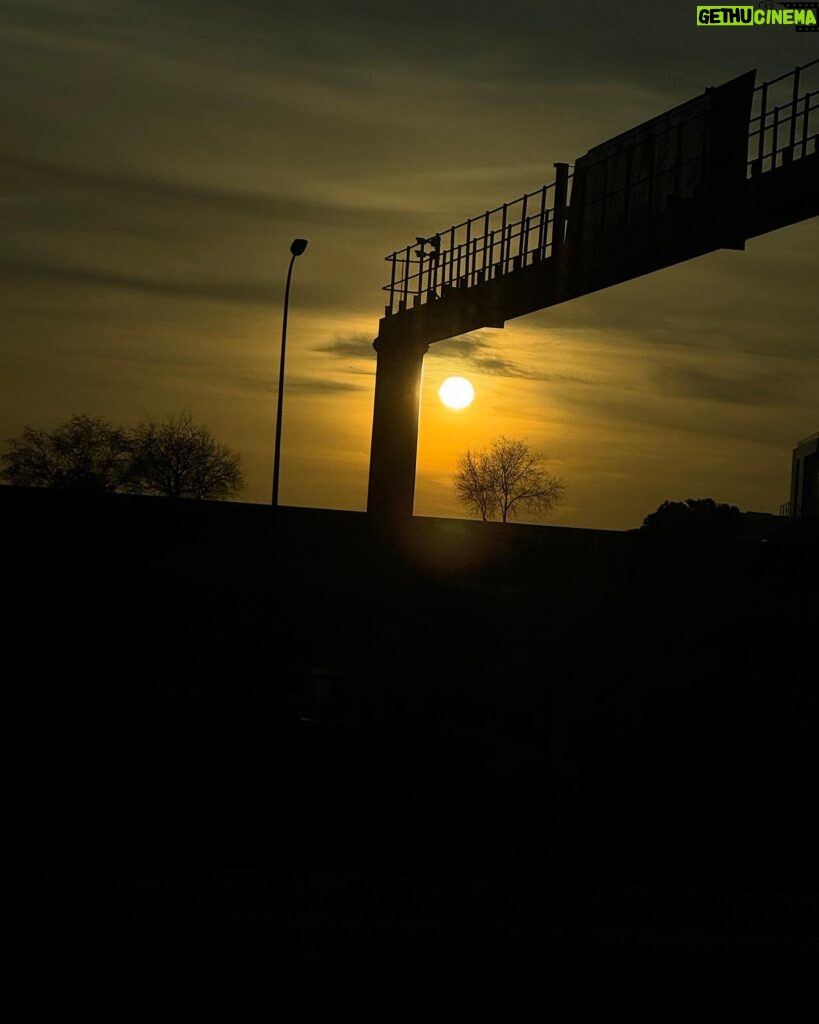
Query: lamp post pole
(296, 249)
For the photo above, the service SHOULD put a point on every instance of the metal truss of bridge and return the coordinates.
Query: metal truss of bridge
(738, 161)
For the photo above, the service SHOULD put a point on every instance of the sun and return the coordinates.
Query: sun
(456, 392)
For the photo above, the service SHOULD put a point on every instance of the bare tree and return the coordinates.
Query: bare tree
(177, 458)
(85, 454)
(182, 459)
(504, 479)
(473, 482)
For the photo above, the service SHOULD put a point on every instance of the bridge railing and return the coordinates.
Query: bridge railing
(783, 127)
(511, 236)
(784, 121)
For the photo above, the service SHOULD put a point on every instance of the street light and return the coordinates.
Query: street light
(297, 247)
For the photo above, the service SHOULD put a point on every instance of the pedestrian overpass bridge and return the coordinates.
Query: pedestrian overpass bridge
(738, 161)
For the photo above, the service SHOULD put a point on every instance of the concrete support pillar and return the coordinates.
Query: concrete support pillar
(394, 446)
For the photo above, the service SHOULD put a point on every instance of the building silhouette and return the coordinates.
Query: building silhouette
(804, 500)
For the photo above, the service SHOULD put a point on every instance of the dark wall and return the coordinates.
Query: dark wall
(197, 679)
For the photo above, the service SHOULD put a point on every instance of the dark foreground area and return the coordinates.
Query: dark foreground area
(329, 940)
(344, 764)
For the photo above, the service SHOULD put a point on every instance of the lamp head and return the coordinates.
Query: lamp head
(297, 246)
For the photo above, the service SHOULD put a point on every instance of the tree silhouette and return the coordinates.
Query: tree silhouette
(177, 458)
(181, 459)
(504, 479)
(86, 454)
(702, 518)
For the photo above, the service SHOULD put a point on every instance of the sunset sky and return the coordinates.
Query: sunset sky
(159, 157)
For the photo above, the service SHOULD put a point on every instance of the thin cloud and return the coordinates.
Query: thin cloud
(748, 389)
(220, 291)
(356, 345)
(254, 204)
(319, 386)
(480, 354)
